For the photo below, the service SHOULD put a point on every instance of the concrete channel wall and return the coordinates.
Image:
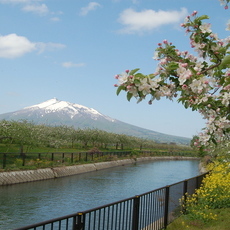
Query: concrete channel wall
(15, 177)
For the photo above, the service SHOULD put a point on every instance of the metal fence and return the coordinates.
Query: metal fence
(59, 158)
(153, 210)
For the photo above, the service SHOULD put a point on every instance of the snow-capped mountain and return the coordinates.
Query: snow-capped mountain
(55, 112)
(65, 108)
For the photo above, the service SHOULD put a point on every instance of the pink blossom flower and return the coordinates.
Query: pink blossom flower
(205, 28)
(194, 13)
(184, 87)
(184, 64)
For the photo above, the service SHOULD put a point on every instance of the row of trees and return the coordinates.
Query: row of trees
(24, 133)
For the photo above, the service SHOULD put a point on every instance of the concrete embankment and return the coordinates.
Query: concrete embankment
(14, 177)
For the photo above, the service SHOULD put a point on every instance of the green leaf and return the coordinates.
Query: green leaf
(196, 39)
(202, 17)
(133, 71)
(151, 75)
(121, 87)
(129, 96)
(214, 141)
(186, 104)
(136, 81)
(225, 62)
(140, 75)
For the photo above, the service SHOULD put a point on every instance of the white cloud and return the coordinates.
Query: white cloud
(55, 19)
(91, 6)
(14, 46)
(33, 6)
(41, 9)
(148, 20)
(15, 1)
(132, 1)
(71, 64)
(42, 47)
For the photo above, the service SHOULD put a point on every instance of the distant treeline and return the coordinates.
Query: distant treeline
(27, 134)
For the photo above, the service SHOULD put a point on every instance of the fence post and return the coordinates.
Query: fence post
(4, 160)
(71, 157)
(166, 206)
(136, 207)
(52, 156)
(199, 180)
(79, 156)
(23, 159)
(185, 191)
(78, 222)
(63, 158)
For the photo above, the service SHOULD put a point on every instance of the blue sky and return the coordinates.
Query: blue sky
(72, 49)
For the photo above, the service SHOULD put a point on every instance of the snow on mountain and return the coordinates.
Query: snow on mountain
(55, 112)
(71, 109)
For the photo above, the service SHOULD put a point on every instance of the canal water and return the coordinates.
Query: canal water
(29, 203)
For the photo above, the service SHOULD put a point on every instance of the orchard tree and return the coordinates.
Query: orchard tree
(22, 133)
(200, 82)
(5, 137)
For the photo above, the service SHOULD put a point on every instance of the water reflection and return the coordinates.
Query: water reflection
(29, 203)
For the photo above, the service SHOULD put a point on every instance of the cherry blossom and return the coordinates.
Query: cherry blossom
(202, 83)
(205, 28)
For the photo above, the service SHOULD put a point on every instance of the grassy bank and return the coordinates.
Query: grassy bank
(222, 222)
(208, 208)
(51, 157)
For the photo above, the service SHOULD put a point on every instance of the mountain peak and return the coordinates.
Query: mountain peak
(71, 109)
(56, 112)
(44, 104)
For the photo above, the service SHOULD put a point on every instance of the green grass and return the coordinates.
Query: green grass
(15, 149)
(222, 222)
(41, 157)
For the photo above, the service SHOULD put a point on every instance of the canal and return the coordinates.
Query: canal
(29, 203)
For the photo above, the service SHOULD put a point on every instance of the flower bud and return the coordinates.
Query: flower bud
(194, 13)
(184, 87)
(184, 64)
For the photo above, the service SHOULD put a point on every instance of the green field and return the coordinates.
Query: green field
(12, 159)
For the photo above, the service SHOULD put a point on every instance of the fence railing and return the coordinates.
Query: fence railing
(153, 210)
(56, 159)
